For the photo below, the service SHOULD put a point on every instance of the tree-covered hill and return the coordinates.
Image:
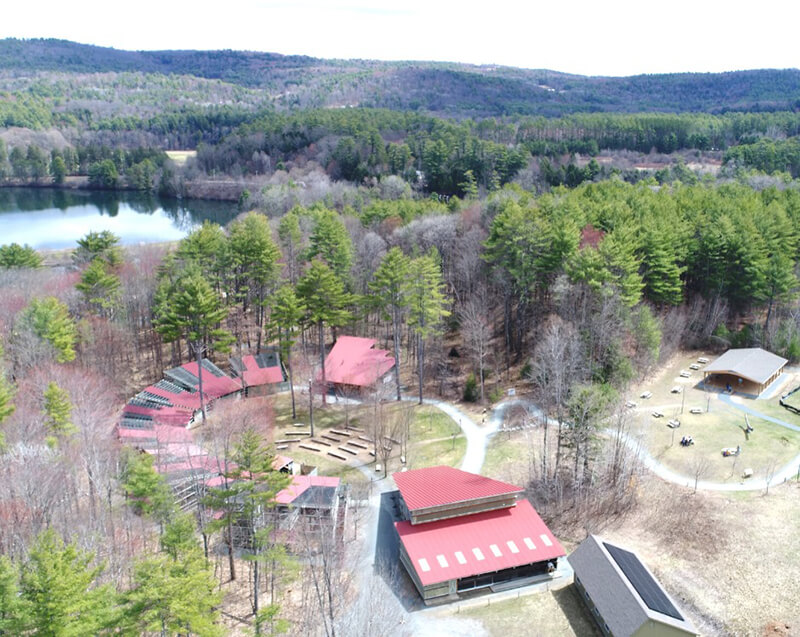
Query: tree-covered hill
(445, 88)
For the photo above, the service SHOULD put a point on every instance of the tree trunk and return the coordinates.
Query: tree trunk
(420, 354)
(199, 358)
(396, 337)
(291, 378)
(322, 360)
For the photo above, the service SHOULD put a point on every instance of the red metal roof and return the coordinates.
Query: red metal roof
(166, 415)
(437, 486)
(185, 399)
(254, 375)
(353, 361)
(300, 484)
(214, 386)
(479, 543)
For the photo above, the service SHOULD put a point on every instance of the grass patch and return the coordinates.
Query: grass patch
(427, 454)
(552, 613)
(768, 445)
(507, 455)
(180, 156)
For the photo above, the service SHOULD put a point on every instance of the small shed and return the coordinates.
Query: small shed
(622, 594)
(261, 373)
(748, 370)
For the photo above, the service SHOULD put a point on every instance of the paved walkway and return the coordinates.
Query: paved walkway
(737, 405)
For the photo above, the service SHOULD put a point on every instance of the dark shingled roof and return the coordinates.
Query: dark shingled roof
(624, 590)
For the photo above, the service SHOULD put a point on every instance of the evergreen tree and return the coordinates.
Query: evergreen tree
(253, 258)
(190, 309)
(325, 301)
(59, 587)
(49, 319)
(146, 489)
(12, 607)
(100, 288)
(103, 245)
(287, 313)
(58, 412)
(58, 170)
(290, 237)
(390, 287)
(206, 247)
(426, 303)
(331, 243)
(14, 255)
(174, 593)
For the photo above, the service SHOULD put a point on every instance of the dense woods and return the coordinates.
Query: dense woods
(525, 238)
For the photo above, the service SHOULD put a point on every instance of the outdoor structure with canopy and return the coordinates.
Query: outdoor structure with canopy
(749, 370)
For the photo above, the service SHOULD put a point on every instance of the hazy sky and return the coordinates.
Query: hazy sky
(593, 37)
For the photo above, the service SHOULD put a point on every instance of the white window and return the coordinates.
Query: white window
(529, 543)
(478, 554)
(512, 546)
(546, 540)
(442, 561)
(423, 564)
(460, 557)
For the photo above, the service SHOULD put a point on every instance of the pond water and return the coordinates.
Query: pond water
(45, 218)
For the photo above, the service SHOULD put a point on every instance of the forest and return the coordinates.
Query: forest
(566, 245)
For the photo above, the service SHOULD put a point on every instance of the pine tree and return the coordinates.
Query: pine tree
(331, 243)
(60, 591)
(253, 258)
(287, 313)
(426, 303)
(100, 287)
(290, 237)
(207, 248)
(190, 309)
(58, 413)
(326, 301)
(174, 592)
(49, 319)
(12, 607)
(103, 245)
(146, 489)
(14, 255)
(390, 287)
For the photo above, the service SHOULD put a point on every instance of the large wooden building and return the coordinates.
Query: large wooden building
(464, 532)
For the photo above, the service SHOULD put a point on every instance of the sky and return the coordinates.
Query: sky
(587, 37)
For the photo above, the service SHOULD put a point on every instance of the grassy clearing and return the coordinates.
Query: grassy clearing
(431, 440)
(723, 426)
(547, 614)
(508, 455)
(180, 156)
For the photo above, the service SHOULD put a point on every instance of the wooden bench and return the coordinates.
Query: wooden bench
(285, 441)
(372, 453)
(366, 439)
(299, 424)
(296, 433)
(327, 437)
(320, 442)
(695, 410)
(350, 451)
(339, 433)
(353, 443)
(338, 456)
(309, 447)
(279, 447)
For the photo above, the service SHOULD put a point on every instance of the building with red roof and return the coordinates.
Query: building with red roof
(354, 363)
(464, 532)
(260, 373)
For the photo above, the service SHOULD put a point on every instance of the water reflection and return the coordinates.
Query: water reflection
(47, 218)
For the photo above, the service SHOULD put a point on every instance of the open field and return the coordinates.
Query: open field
(769, 446)
(180, 156)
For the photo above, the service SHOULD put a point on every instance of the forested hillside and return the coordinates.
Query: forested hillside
(445, 89)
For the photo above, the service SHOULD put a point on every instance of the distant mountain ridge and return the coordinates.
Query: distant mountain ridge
(445, 88)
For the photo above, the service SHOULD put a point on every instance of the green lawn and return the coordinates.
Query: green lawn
(769, 444)
(547, 614)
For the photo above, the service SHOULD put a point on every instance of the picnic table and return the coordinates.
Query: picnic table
(647, 394)
(702, 360)
(657, 414)
(674, 423)
(630, 404)
(676, 390)
(685, 374)
(695, 410)
(694, 366)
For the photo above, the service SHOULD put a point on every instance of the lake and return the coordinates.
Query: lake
(47, 218)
